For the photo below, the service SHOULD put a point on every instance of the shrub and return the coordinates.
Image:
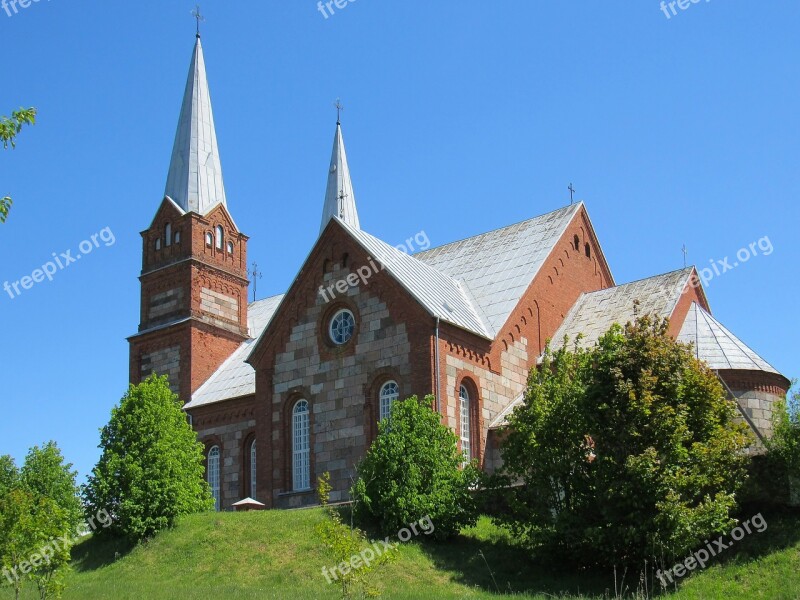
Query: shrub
(627, 451)
(414, 470)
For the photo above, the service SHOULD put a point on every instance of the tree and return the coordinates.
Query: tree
(9, 474)
(414, 470)
(45, 474)
(781, 471)
(34, 542)
(151, 468)
(9, 128)
(628, 451)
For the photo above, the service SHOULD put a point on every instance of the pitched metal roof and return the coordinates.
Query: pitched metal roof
(497, 267)
(717, 346)
(595, 312)
(439, 294)
(194, 181)
(340, 199)
(235, 378)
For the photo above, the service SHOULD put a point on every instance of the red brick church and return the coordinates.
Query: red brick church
(286, 388)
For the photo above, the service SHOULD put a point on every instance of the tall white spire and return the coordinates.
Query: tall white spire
(340, 199)
(195, 172)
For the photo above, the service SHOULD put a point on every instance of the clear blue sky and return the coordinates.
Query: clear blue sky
(460, 117)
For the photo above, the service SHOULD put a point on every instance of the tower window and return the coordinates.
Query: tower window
(168, 234)
(230, 247)
(587, 250)
(158, 243)
(177, 237)
(220, 237)
(209, 239)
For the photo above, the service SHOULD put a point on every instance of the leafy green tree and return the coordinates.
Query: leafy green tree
(34, 542)
(9, 128)
(628, 451)
(414, 470)
(151, 468)
(9, 474)
(782, 465)
(46, 474)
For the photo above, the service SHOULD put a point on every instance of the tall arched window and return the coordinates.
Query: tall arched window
(389, 393)
(253, 470)
(212, 473)
(209, 239)
(168, 234)
(301, 447)
(220, 237)
(466, 446)
(577, 242)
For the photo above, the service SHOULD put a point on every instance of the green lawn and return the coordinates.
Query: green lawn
(274, 554)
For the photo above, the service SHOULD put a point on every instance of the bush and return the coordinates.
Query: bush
(414, 470)
(627, 452)
(780, 468)
(151, 469)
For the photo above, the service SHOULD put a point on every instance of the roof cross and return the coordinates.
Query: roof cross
(196, 14)
(339, 108)
(256, 276)
(685, 254)
(571, 193)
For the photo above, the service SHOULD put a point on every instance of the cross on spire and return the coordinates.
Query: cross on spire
(342, 198)
(685, 254)
(196, 14)
(256, 275)
(339, 108)
(571, 193)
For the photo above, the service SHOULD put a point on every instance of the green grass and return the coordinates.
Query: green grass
(275, 554)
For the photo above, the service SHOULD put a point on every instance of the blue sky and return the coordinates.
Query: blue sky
(460, 117)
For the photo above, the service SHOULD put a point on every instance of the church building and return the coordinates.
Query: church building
(286, 388)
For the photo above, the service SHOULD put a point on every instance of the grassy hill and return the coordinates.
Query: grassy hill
(275, 554)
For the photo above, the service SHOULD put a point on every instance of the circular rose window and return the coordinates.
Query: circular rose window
(343, 324)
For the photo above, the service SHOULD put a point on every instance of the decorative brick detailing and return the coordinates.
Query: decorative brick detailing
(163, 362)
(214, 303)
(165, 305)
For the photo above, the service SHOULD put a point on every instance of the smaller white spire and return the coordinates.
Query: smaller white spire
(340, 199)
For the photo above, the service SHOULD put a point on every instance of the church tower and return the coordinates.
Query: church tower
(194, 258)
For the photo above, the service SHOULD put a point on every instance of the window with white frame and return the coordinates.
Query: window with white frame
(168, 234)
(389, 393)
(253, 470)
(466, 446)
(209, 239)
(220, 237)
(301, 447)
(212, 473)
(342, 326)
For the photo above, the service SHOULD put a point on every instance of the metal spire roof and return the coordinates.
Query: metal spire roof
(340, 199)
(195, 173)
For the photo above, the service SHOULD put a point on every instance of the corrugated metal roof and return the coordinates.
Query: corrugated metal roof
(236, 378)
(441, 296)
(594, 313)
(717, 346)
(499, 266)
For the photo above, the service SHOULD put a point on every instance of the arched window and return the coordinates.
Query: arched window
(209, 239)
(168, 234)
(212, 473)
(220, 237)
(577, 241)
(158, 243)
(389, 393)
(588, 251)
(301, 447)
(466, 446)
(253, 470)
(230, 247)
(177, 237)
